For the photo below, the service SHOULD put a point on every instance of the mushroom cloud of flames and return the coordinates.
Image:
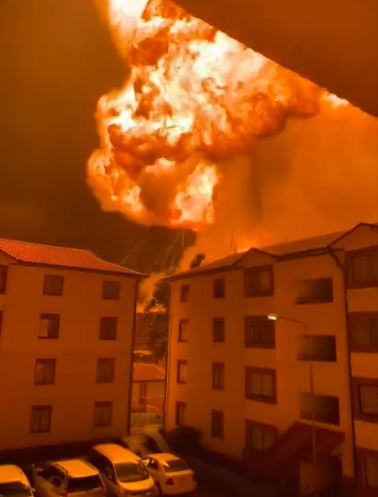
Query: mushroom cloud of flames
(193, 97)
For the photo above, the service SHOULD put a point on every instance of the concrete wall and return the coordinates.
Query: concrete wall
(76, 352)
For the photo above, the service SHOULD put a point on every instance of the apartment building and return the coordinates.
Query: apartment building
(294, 396)
(66, 333)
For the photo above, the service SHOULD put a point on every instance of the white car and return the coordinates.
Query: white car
(13, 482)
(171, 474)
(69, 478)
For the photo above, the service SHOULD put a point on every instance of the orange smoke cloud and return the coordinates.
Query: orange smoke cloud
(193, 99)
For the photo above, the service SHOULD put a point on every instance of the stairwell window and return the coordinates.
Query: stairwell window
(49, 326)
(180, 413)
(219, 290)
(362, 268)
(103, 414)
(258, 281)
(108, 328)
(44, 372)
(110, 290)
(182, 371)
(3, 278)
(259, 436)
(316, 291)
(218, 330)
(53, 284)
(40, 421)
(217, 423)
(218, 375)
(183, 330)
(105, 370)
(184, 292)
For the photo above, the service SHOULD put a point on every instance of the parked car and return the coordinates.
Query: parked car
(13, 482)
(171, 474)
(123, 471)
(68, 478)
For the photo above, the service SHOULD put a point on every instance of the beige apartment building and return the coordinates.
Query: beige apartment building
(295, 396)
(66, 341)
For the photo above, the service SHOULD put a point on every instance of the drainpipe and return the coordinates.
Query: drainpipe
(167, 358)
(341, 266)
(133, 333)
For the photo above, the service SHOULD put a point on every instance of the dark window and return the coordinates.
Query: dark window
(3, 278)
(364, 332)
(258, 281)
(182, 372)
(261, 384)
(153, 464)
(219, 289)
(365, 399)
(105, 370)
(218, 330)
(183, 330)
(108, 328)
(259, 332)
(180, 413)
(103, 412)
(317, 348)
(184, 293)
(315, 291)
(323, 408)
(49, 326)
(44, 372)
(84, 483)
(217, 421)
(53, 475)
(53, 284)
(259, 436)
(1, 321)
(218, 375)
(40, 419)
(368, 468)
(110, 290)
(362, 268)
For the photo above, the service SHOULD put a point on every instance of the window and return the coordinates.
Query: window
(108, 328)
(218, 330)
(217, 418)
(40, 419)
(184, 293)
(110, 290)
(315, 291)
(259, 436)
(323, 408)
(105, 370)
(218, 375)
(1, 321)
(365, 399)
(103, 412)
(258, 281)
(182, 372)
(53, 284)
(44, 372)
(259, 332)
(180, 413)
(362, 268)
(317, 348)
(219, 289)
(49, 326)
(261, 384)
(3, 278)
(368, 466)
(364, 332)
(183, 330)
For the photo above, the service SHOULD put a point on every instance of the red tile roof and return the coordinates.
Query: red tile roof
(49, 255)
(148, 372)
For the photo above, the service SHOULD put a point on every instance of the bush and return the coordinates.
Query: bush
(185, 440)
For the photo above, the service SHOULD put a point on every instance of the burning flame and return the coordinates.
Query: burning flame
(193, 95)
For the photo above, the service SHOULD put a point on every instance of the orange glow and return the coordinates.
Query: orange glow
(192, 95)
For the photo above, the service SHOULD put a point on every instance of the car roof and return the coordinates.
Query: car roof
(164, 457)
(10, 472)
(116, 453)
(76, 468)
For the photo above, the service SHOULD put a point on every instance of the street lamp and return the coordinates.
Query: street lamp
(276, 317)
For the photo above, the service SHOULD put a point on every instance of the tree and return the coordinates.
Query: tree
(157, 306)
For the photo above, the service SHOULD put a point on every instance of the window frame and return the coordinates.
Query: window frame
(249, 426)
(362, 453)
(180, 404)
(102, 334)
(258, 397)
(59, 277)
(184, 292)
(100, 404)
(47, 316)
(51, 361)
(182, 324)
(223, 337)
(302, 301)
(109, 295)
(301, 356)
(354, 347)
(219, 292)
(3, 278)
(216, 416)
(221, 366)
(358, 413)
(351, 283)
(248, 292)
(308, 417)
(181, 362)
(44, 408)
(101, 360)
(260, 345)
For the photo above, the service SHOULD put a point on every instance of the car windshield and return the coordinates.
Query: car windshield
(131, 471)
(14, 489)
(84, 483)
(175, 465)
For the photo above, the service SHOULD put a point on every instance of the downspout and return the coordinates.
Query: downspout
(167, 359)
(341, 266)
(131, 376)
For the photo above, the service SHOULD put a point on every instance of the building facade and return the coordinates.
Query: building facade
(66, 340)
(294, 396)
